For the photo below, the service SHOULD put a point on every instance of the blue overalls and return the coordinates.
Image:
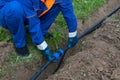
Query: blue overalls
(15, 13)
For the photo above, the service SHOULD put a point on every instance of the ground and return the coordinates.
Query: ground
(95, 57)
(100, 60)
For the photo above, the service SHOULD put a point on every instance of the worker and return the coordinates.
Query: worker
(38, 15)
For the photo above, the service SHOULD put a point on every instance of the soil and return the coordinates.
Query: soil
(95, 57)
(5, 49)
(100, 60)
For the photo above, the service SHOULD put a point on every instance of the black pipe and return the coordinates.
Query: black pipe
(91, 29)
(61, 60)
(88, 31)
(36, 75)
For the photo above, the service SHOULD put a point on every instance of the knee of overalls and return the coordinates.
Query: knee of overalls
(13, 8)
(2, 4)
(10, 9)
(12, 14)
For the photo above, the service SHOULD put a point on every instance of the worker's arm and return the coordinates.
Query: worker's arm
(37, 37)
(35, 30)
(36, 4)
(69, 16)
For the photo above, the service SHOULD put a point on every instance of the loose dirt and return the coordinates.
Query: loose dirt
(95, 57)
(5, 49)
(100, 60)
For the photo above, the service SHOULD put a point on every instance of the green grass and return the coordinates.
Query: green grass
(83, 9)
(5, 35)
(2, 74)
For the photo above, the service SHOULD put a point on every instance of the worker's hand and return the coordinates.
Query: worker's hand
(52, 57)
(46, 53)
(72, 40)
(43, 47)
(57, 55)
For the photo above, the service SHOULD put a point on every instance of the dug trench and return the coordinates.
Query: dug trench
(95, 57)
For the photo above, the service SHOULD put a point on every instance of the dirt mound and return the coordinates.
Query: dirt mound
(101, 58)
(5, 50)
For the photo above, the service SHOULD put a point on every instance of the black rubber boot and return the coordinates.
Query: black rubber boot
(22, 51)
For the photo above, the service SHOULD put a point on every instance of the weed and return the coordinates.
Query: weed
(2, 74)
(84, 42)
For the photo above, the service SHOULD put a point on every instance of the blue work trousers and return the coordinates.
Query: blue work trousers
(13, 18)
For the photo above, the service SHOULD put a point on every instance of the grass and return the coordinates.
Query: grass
(2, 74)
(5, 35)
(83, 9)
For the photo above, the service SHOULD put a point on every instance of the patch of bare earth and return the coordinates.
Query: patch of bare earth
(99, 61)
(5, 50)
(100, 58)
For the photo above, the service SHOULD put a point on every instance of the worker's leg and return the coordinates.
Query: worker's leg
(2, 21)
(67, 10)
(14, 20)
(48, 18)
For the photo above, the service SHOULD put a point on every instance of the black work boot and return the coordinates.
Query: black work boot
(22, 51)
(48, 36)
